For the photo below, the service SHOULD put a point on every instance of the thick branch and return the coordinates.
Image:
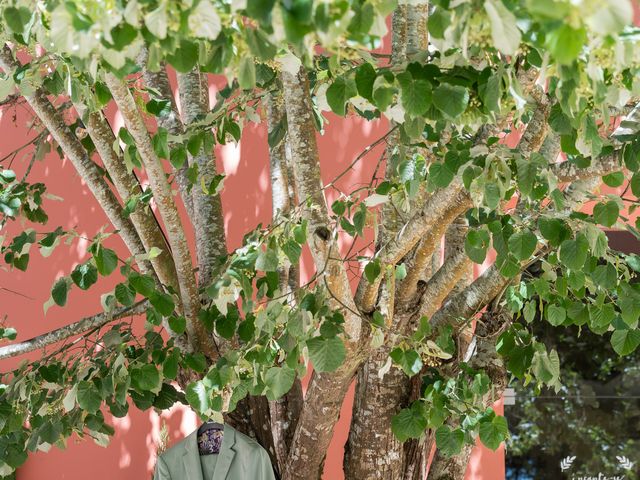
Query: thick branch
(67, 331)
(486, 359)
(159, 81)
(570, 172)
(285, 412)
(429, 225)
(77, 154)
(326, 391)
(207, 215)
(127, 185)
(306, 172)
(163, 196)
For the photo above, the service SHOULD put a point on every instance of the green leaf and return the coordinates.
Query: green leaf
(606, 213)
(7, 176)
(635, 184)
(522, 244)
(408, 360)
(629, 303)
(145, 378)
(439, 20)
(125, 294)
(492, 195)
(60, 291)
(163, 303)
(50, 432)
(260, 44)
(84, 275)
(573, 253)
(565, 43)
(556, 315)
(88, 396)
(554, 230)
(527, 172)
(198, 396)
(178, 156)
(372, 270)
(409, 422)
(292, 250)
(491, 92)
(17, 19)
(327, 354)
(476, 244)
(401, 271)
(9, 333)
(494, 432)
(143, 284)
(247, 73)
(178, 324)
(170, 365)
(185, 57)
(365, 76)
(156, 21)
(339, 93)
(448, 441)
(625, 342)
(196, 361)
(451, 100)
(441, 174)
(106, 260)
(382, 93)
(615, 179)
(267, 261)
(504, 31)
(546, 367)
(415, 94)
(279, 381)
(277, 132)
(226, 324)
(158, 107)
(160, 143)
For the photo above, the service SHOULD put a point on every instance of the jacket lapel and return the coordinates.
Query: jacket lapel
(227, 452)
(191, 457)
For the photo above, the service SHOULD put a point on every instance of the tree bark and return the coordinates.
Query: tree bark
(326, 390)
(163, 195)
(159, 81)
(127, 185)
(484, 358)
(207, 218)
(372, 451)
(285, 412)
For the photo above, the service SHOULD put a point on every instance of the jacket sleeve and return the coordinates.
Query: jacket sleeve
(162, 471)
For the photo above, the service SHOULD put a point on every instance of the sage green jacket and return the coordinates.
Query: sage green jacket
(240, 458)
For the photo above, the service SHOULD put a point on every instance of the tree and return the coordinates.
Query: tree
(234, 332)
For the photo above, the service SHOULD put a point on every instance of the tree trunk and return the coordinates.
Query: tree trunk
(372, 451)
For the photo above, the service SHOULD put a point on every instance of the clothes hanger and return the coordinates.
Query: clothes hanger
(210, 425)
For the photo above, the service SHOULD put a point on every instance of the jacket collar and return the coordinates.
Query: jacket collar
(191, 456)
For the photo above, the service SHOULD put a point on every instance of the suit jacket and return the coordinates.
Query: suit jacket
(240, 458)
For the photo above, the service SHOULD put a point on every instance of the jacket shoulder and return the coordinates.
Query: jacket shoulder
(247, 443)
(173, 454)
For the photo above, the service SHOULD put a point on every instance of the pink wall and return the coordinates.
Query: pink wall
(246, 200)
